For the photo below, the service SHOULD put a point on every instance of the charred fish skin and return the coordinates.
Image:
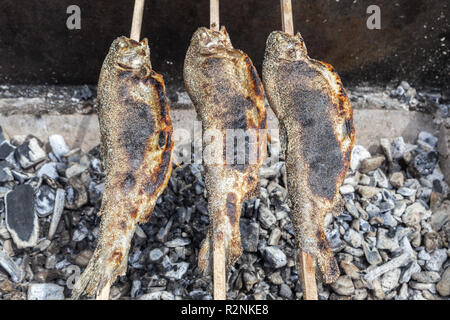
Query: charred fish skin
(316, 119)
(227, 94)
(136, 140)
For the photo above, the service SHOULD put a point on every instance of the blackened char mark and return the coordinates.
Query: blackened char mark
(348, 155)
(128, 182)
(156, 180)
(217, 82)
(160, 92)
(235, 116)
(169, 140)
(162, 139)
(349, 127)
(230, 104)
(341, 89)
(256, 82)
(341, 105)
(212, 67)
(136, 127)
(231, 207)
(309, 106)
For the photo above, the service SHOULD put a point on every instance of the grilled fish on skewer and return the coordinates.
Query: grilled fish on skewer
(315, 117)
(227, 94)
(136, 141)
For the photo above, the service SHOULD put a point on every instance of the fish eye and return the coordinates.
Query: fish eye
(122, 44)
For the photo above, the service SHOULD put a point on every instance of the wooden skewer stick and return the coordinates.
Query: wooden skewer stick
(219, 256)
(219, 269)
(104, 293)
(137, 19)
(308, 276)
(214, 21)
(306, 262)
(286, 16)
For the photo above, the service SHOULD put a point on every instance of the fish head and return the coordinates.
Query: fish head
(285, 47)
(208, 42)
(130, 54)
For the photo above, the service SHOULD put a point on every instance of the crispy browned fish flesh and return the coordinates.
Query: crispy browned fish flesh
(316, 122)
(227, 94)
(136, 141)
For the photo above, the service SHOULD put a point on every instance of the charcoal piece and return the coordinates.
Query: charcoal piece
(5, 149)
(5, 173)
(8, 265)
(29, 153)
(425, 163)
(250, 235)
(21, 219)
(44, 201)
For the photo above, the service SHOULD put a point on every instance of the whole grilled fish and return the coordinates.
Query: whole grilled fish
(136, 143)
(316, 122)
(229, 98)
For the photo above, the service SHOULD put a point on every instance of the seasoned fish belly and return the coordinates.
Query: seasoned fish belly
(136, 143)
(316, 122)
(228, 97)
